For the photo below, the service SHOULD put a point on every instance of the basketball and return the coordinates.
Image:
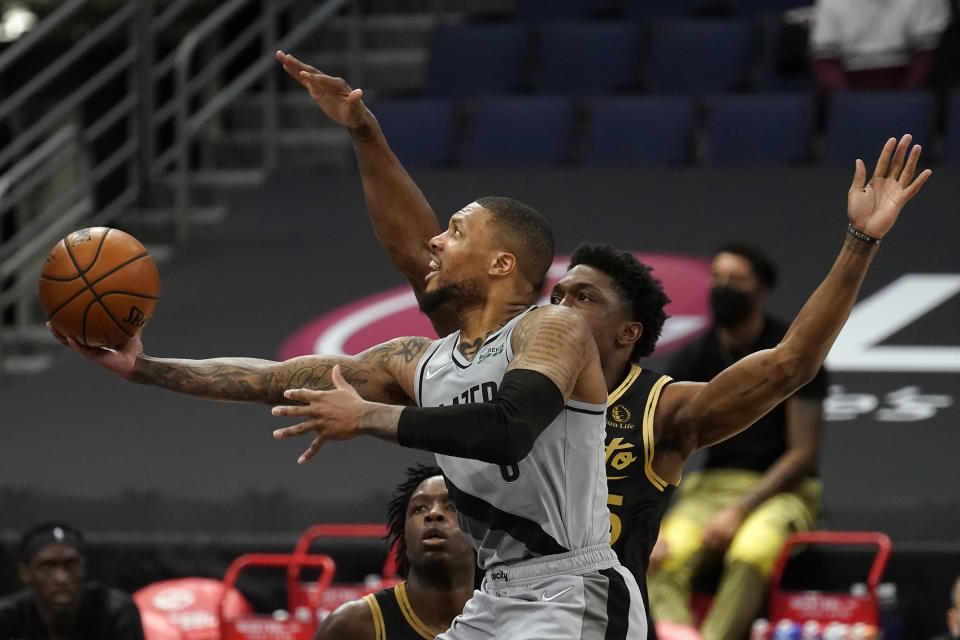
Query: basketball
(99, 286)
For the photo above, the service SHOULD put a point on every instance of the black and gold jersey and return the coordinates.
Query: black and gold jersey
(637, 497)
(394, 618)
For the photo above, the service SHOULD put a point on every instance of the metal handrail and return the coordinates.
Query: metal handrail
(39, 153)
(67, 58)
(189, 125)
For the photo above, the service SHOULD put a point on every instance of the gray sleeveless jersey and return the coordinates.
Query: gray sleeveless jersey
(552, 501)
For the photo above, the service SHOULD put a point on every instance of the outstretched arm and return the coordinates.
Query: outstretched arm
(804, 422)
(402, 218)
(700, 414)
(382, 373)
(555, 359)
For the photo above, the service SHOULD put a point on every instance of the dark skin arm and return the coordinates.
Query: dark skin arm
(804, 428)
(381, 373)
(554, 341)
(692, 415)
(402, 218)
(351, 621)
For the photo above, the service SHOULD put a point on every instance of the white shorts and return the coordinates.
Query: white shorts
(579, 595)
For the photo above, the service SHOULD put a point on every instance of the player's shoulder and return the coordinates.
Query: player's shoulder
(352, 620)
(551, 314)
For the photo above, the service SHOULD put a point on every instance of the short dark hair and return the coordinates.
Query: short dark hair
(763, 266)
(397, 511)
(527, 234)
(643, 293)
(46, 533)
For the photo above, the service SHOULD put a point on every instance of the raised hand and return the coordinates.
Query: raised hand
(873, 207)
(341, 103)
(119, 361)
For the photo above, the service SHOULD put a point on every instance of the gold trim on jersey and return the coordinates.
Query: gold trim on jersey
(629, 380)
(648, 438)
(378, 626)
(418, 625)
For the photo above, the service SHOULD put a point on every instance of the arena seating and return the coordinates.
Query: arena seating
(746, 128)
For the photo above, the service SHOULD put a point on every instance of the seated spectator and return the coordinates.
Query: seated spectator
(58, 601)
(953, 614)
(869, 44)
(755, 488)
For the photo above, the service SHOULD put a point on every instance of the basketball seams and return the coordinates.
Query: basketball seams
(85, 281)
(115, 321)
(115, 292)
(82, 276)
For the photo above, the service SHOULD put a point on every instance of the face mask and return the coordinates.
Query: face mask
(730, 306)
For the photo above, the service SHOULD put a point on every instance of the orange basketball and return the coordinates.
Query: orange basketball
(99, 286)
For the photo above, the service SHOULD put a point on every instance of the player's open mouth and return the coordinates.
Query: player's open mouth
(433, 537)
(434, 266)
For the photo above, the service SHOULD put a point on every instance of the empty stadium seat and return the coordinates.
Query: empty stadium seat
(477, 59)
(859, 122)
(699, 56)
(586, 57)
(639, 130)
(754, 128)
(754, 7)
(520, 131)
(643, 11)
(951, 151)
(421, 131)
(547, 10)
(784, 64)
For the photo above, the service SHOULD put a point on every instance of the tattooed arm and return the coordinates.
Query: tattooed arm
(557, 342)
(694, 415)
(555, 359)
(382, 373)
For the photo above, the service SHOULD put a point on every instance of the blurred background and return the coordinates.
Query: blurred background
(665, 128)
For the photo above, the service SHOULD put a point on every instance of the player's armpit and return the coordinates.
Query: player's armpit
(350, 621)
(557, 342)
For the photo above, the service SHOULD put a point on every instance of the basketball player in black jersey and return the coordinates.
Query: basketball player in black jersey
(653, 423)
(434, 557)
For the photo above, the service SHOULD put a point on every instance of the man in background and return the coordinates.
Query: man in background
(953, 614)
(757, 487)
(58, 602)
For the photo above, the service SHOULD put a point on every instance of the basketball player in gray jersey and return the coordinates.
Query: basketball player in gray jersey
(525, 469)
(623, 305)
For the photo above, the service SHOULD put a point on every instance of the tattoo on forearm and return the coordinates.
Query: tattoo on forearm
(248, 380)
(223, 379)
(858, 246)
(747, 392)
(363, 133)
(381, 421)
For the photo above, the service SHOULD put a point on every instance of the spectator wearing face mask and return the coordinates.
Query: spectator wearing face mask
(756, 487)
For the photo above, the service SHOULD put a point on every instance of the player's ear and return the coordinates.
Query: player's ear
(504, 263)
(629, 332)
